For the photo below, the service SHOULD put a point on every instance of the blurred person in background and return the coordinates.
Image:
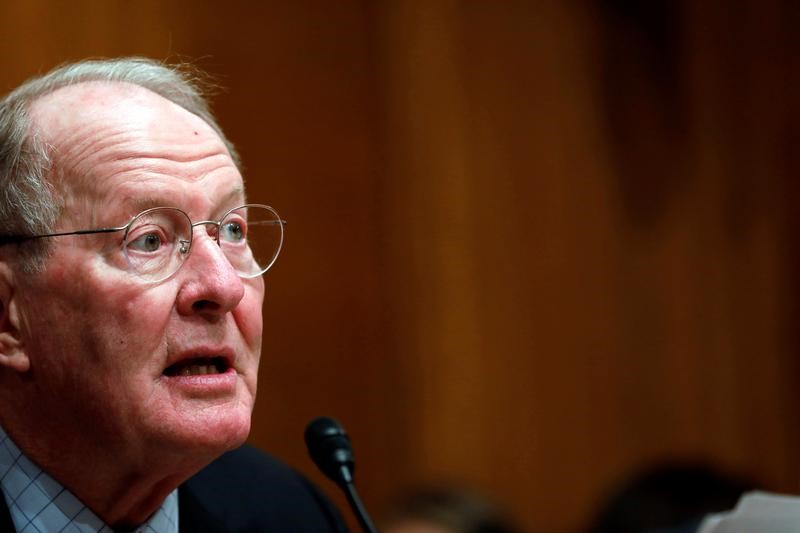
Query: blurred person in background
(670, 497)
(446, 510)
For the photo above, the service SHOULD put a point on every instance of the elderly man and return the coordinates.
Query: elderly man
(131, 287)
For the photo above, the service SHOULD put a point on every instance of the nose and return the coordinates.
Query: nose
(210, 285)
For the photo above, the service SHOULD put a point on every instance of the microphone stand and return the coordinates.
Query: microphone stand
(358, 508)
(329, 447)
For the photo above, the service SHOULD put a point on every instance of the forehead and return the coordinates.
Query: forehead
(114, 140)
(71, 113)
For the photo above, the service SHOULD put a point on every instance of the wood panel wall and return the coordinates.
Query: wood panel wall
(532, 246)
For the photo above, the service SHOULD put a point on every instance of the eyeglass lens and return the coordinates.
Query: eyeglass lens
(159, 240)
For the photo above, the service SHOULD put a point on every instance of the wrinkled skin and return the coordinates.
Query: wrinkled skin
(85, 343)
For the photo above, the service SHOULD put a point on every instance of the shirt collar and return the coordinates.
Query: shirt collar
(38, 502)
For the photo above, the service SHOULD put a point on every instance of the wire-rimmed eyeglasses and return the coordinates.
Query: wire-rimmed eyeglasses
(157, 241)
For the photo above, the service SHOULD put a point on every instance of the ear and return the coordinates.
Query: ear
(12, 353)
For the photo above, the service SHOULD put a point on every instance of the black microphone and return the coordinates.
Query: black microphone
(329, 448)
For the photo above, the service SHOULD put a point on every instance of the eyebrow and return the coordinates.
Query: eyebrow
(139, 204)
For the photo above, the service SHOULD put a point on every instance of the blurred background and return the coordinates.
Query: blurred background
(534, 247)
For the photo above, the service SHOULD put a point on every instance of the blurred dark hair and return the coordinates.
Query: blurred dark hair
(668, 497)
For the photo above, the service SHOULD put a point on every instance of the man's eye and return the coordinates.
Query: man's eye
(149, 242)
(232, 232)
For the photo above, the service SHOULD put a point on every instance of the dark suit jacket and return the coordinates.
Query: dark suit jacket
(246, 490)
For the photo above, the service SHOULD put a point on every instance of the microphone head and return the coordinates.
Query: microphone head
(329, 448)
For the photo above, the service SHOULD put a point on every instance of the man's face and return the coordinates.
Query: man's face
(110, 352)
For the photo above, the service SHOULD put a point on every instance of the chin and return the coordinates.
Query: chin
(225, 433)
(207, 435)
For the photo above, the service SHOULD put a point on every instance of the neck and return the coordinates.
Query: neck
(122, 492)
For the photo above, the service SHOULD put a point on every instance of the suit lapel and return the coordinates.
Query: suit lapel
(6, 523)
(193, 515)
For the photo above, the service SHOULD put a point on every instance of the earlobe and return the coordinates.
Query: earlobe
(12, 352)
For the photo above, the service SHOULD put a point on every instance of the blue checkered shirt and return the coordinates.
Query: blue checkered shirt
(38, 503)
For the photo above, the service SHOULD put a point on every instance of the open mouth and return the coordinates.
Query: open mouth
(199, 366)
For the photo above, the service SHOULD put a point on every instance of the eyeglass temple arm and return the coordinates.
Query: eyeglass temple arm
(269, 222)
(16, 239)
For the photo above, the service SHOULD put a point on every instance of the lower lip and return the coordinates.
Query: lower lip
(205, 384)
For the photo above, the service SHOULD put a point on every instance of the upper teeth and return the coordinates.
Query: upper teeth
(195, 369)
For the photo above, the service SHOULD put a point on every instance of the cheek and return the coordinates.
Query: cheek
(248, 315)
(136, 321)
(114, 322)
(91, 347)
(59, 307)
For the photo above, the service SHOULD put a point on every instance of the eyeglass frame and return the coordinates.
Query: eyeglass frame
(19, 239)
